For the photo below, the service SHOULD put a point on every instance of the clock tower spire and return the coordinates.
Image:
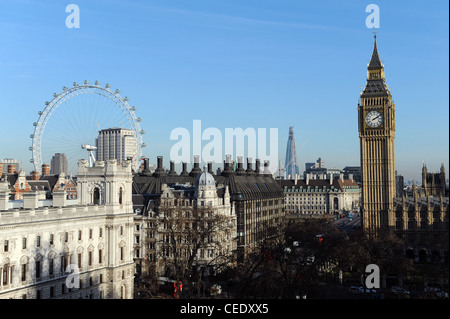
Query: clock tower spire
(376, 117)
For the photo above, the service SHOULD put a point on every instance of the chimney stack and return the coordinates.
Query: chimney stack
(210, 168)
(240, 168)
(45, 169)
(172, 171)
(35, 176)
(228, 167)
(11, 168)
(257, 165)
(159, 167)
(266, 168)
(249, 170)
(196, 170)
(184, 171)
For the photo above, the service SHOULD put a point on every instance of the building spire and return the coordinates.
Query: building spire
(375, 62)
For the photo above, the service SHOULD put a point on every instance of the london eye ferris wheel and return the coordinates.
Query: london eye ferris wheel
(71, 122)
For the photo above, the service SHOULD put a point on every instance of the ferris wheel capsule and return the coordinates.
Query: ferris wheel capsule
(139, 119)
(31, 161)
(34, 124)
(125, 98)
(31, 135)
(133, 108)
(47, 102)
(117, 91)
(40, 113)
(86, 82)
(142, 132)
(97, 83)
(75, 84)
(107, 85)
(64, 88)
(30, 148)
(55, 94)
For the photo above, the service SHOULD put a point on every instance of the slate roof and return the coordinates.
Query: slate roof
(251, 186)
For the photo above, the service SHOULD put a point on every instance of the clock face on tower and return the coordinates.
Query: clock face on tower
(374, 119)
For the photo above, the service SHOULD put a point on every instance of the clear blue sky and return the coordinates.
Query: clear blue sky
(235, 63)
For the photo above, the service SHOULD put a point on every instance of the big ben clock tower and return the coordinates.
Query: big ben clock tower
(376, 119)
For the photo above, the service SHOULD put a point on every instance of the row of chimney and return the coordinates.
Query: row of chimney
(196, 170)
(35, 175)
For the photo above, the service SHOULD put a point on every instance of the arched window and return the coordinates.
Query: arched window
(96, 199)
(336, 203)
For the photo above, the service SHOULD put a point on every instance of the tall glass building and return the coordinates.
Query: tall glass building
(291, 166)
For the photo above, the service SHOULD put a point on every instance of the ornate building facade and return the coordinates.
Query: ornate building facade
(46, 249)
(376, 120)
(419, 219)
(422, 218)
(320, 197)
(250, 198)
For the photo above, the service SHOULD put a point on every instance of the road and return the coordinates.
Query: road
(349, 224)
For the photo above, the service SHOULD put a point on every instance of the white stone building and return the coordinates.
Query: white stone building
(320, 197)
(94, 237)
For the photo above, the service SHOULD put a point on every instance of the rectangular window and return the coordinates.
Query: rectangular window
(66, 237)
(100, 256)
(90, 233)
(100, 232)
(38, 241)
(38, 269)
(5, 274)
(24, 243)
(79, 235)
(50, 266)
(121, 253)
(24, 272)
(51, 239)
(79, 261)
(5, 245)
(90, 258)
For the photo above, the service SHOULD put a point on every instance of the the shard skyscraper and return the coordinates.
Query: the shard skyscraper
(291, 166)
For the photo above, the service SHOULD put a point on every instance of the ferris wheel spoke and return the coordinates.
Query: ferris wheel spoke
(77, 115)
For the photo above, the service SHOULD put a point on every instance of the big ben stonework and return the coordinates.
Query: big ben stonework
(376, 125)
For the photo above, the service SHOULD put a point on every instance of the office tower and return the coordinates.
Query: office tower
(291, 156)
(58, 164)
(116, 143)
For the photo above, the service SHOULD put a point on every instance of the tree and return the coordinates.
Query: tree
(193, 240)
